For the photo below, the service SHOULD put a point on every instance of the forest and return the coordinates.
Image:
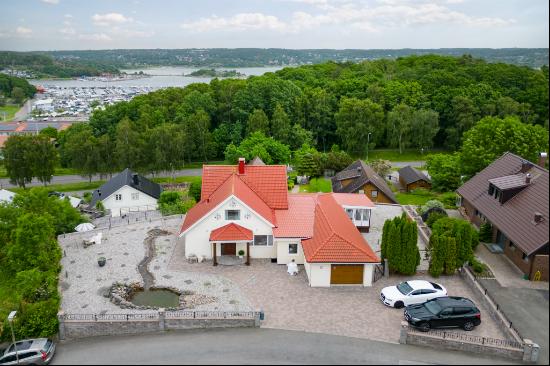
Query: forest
(258, 57)
(328, 112)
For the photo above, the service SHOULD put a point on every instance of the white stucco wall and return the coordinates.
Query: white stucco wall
(197, 239)
(368, 274)
(319, 275)
(283, 257)
(127, 204)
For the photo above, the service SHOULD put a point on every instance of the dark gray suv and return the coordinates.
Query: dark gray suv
(30, 352)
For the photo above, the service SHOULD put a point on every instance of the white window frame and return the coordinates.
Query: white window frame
(269, 241)
(374, 193)
(292, 244)
(229, 219)
(135, 196)
(118, 197)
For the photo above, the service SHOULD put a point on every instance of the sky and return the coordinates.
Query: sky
(362, 24)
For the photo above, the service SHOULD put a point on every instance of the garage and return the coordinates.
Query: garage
(346, 274)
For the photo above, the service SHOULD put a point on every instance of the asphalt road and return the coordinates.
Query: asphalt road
(251, 346)
(65, 179)
(527, 309)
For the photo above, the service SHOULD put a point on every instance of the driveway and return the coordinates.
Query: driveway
(251, 346)
(289, 303)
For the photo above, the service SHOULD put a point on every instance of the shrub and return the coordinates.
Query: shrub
(448, 199)
(486, 232)
(174, 203)
(429, 204)
(433, 217)
(87, 197)
(477, 266)
(195, 190)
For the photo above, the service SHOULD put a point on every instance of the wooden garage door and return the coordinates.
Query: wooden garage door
(346, 274)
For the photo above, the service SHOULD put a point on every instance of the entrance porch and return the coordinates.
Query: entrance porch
(233, 240)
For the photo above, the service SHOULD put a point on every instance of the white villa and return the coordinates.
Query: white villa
(247, 210)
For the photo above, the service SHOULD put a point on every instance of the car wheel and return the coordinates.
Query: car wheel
(398, 305)
(424, 327)
(468, 326)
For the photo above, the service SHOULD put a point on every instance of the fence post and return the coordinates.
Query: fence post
(403, 332)
(386, 268)
(61, 319)
(162, 319)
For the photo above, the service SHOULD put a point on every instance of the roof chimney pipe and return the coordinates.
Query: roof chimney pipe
(542, 159)
(528, 178)
(241, 165)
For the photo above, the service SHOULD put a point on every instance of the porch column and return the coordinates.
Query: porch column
(214, 254)
(247, 253)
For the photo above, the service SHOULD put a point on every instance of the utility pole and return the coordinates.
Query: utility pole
(11, 317)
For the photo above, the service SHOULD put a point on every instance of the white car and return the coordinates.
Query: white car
(411, 292)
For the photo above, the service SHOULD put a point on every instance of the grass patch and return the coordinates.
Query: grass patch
(419, 197)
(317, 185)
(199, 164)
(69, 187)
(9, 111)
(408, 155)
(58, 171)
(184, 179)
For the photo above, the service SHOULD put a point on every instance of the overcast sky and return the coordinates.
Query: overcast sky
(104, 24)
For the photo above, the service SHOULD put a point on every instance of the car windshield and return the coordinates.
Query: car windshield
(404, 288)
(436, 286)
(433, 307)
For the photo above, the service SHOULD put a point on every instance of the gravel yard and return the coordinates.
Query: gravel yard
(83, 282)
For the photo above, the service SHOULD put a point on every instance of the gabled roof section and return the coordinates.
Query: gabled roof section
(231, 232)
(515, 217)
(361, 174)
(297, 221)
(353, 200)
(510, 181)
(269, 182)
(335, 238)
(411, 175)
(232, 186)
(126, 178)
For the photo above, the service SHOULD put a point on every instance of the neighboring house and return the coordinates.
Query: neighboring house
(411, 179)
(256, 161)
(6, 196)
(361, 178)
(512, 195)
(248, 208)
(127, 192)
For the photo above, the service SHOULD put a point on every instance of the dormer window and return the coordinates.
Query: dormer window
(491, 189)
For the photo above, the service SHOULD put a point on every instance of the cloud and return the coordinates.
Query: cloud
(52, 2)
(23, 31)
(68, 16)
(96, 37)
(68, 31)
(110, 19)
(239, 22)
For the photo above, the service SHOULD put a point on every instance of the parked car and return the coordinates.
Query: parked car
(411, 292)
(444, 312)
(30, 352)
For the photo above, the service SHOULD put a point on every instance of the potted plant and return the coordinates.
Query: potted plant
(241, 253)
(101, 261)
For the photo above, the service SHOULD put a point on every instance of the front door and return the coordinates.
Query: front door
(501, 239)
(229, 249)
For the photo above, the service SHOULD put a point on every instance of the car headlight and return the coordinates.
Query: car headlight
(415, 319)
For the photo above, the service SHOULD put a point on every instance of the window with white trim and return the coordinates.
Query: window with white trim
(263, 240)
(118, 197)
(135, 196)
(232, 214)
(374, 194)
(292, 248)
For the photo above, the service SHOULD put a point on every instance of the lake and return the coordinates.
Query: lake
(161, 77)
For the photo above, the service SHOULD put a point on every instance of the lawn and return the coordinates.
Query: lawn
(9, 110)
(408, 155)
(419, 197)
(317, 185)
(58, 171)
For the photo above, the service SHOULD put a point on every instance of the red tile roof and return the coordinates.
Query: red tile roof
(335, 238)
(269, 182)
(233, 185)
(353, 200)
(297, 221)
(231, 232)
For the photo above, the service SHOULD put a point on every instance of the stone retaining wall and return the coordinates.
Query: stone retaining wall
(527, 352)
(90, 325)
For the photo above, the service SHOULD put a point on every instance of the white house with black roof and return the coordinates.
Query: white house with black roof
(127, 192)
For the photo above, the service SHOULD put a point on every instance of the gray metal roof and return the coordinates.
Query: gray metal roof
(361, 174)
(509, 181)
(411, 175)
(126, 178)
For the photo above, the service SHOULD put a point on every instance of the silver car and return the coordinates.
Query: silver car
(37, 351)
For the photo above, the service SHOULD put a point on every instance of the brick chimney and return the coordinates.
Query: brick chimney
(542, 159)
(241, 165)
